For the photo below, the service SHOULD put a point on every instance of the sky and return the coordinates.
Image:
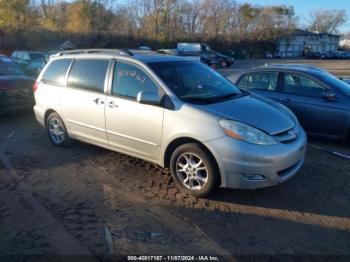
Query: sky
(303, 7)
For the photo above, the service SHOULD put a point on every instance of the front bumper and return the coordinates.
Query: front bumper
(238, 160)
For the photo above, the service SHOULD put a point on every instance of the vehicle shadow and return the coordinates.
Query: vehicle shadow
(241, 232)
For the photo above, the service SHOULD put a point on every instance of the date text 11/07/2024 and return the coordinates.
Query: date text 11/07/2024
(173, 258)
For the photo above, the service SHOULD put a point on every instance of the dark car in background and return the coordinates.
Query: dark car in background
(207, 55)
(320, 100)
(223, 60)
(23, 58)
(202, 57)
(15, 87)
(35, 66)
(345, 55)
(313, 55)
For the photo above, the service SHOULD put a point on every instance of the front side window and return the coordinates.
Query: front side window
(301, 85)
(88, 74)
(194, 82)
(334, 81)
(263, 81)
(129, 80)
(56, 72)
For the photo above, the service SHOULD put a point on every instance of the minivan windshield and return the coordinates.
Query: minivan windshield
(195, 82)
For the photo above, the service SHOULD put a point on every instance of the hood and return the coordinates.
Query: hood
(16, 81)
(263, 114)
(224, 56)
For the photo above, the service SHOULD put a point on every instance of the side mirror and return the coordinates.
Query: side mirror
(329, 96)
(148, 98)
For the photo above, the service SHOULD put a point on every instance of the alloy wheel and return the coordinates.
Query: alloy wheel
(191, 171)
(56, 131)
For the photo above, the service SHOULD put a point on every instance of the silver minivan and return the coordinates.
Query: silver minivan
(174, 112)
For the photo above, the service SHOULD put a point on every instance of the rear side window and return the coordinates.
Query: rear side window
(89, 74)
(243, 81)
(56, 72)
(264, 81)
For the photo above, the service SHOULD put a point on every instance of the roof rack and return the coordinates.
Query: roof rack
(90, 51)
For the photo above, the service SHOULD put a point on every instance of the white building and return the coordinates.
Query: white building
(345, 42)
(299, 41)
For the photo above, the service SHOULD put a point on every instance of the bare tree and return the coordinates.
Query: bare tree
(326, 21)
(224, 21)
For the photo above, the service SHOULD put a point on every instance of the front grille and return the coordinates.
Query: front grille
(286, 136)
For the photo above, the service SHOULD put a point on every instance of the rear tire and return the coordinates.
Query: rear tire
(194, 170)
(57, 131)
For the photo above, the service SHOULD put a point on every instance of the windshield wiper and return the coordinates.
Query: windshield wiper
(213, 99)
(195, 100)
(224, 97)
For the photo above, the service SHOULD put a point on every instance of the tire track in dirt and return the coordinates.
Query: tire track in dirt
(130, 217)
(61, 242)
(137, 216)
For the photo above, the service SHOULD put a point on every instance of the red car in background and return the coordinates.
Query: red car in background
(15, 87)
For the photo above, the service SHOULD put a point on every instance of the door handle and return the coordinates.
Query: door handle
(98, 101)
(111, 104)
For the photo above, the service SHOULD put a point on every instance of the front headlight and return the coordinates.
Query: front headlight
(245, 132)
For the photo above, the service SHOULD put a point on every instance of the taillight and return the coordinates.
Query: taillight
(35, 86)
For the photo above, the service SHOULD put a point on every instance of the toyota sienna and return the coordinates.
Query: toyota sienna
(172, 111)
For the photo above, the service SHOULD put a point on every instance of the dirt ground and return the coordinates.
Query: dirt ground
(85, 203)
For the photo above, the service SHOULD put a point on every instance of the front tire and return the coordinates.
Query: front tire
(194, 170)
(57, 131)
(223, 63)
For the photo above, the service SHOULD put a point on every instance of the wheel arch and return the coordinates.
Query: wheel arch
(47, 113)
(186, 140)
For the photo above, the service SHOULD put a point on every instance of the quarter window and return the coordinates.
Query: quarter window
(88, 74)
(129, 80)
(301, 85)
(56, 72)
